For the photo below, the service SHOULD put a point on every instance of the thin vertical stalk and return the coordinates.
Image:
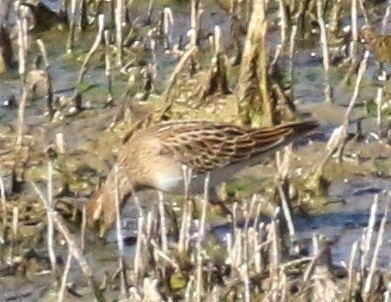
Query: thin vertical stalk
(379, 103)
(351, 269)
(20, 123)
(120, 238)
(3, 200)
(386, 18)
(50, 205)
(119, 18)
(379, 242)
(108, 69)
(72, 27)
(201, 235)
(354, 20)
(150, 11)
(283, 22)
(22, 51)
(292, 47)
(325, 51)
(61, 291)
(163, 226)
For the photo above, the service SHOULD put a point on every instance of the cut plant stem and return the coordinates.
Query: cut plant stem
(72, 27)
(323, 41)
(94, 47)
(108, 69)
(119, 19)
(120, 240)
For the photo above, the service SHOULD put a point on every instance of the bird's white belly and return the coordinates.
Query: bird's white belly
(168, 181)
(171, 179)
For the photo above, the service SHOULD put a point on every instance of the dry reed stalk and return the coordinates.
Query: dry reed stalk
(149, 228)
(120, 239)
(379, 242)
(72, 26)
(15, 223)
(200, 239)
(168, 22)
(354, 20)
(49, 208)
(275, 259)
(328, 92)
(83, 228)
(217, 39)
(108, 69)
(119, 19)
(22, 30)
(351, 270)
(386, 18)
(292, 47)
(234, 219)
(245, 262)
(286, 210)
(317, 254)
(189, 290)
(163, 223)
(277, 55)
(368, 235)
(150, 11)
(257, 211)
(60, 143)
(95, 45)
(49, 96)
(73, 245)
(44, 53)
(184, 235)
(363, 11)
(3, 200)
(335, 17)
(259, 244)
(61, 291)
(379, 103)
(178, 68)
(137, 256)
(337, 141)
(195, 21)
(282, 178)
(247, 212)
(82, 21)
(283, 23)
(323, 286)
(353, 46)
(353, 100)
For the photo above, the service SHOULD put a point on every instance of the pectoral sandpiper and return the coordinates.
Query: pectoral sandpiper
(156, 158)
(379, 45)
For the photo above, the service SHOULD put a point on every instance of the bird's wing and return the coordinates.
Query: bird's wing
(204, 146)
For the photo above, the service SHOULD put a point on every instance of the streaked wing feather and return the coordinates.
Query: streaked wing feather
(204, 146)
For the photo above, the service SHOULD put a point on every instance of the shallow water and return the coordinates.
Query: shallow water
(343, 223)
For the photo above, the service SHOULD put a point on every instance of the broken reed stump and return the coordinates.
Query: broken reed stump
(253, 93)
(258, 91)
(216, 80)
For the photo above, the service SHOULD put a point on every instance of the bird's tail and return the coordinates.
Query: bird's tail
(272, 137)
